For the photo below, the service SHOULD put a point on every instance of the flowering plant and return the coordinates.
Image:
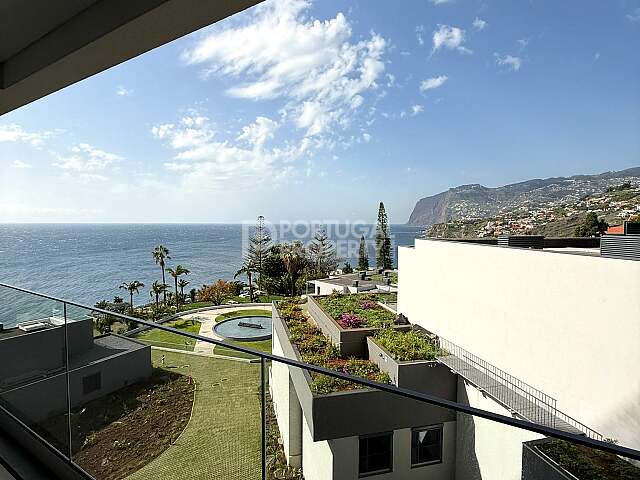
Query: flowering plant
(367, 304)
(350, 320)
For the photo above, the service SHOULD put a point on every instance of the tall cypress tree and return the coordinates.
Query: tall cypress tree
(323, 254)
(363, 256)
(259, 245)
(383, 240)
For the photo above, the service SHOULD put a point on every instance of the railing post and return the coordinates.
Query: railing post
(264, 420)
(66, 376)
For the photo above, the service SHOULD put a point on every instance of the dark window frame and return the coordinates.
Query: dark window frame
(371, 473)
(440, 428)
(89, 385)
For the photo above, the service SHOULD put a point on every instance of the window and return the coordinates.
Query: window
(91, 383)
(376, 454)
(426, 446)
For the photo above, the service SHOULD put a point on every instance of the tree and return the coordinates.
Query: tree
(158, 289)
(363, 255)
(192, 295)
(591, 226)
(160, 254)
(322, 254)
(259, 245)
(132, 287)
(295, 261)
(248, 269)
(347, 268)
(182, 283)
(274, 275)
(104, 322)
(383, 240)
(216, 293)
(178, 272)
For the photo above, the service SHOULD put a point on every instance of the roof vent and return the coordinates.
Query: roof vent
(355, 283)
(521, 241)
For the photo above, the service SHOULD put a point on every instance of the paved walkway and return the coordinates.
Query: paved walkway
(207, 321)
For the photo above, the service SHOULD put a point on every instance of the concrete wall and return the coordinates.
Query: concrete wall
(338, 459)
(34, 402)
(42, 351)
(487, 449)
(287, 407)
(566, 324)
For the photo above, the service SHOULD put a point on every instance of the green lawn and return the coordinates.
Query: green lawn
(223, 437)
(160, 338)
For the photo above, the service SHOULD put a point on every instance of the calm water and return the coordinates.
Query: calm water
(87, 263)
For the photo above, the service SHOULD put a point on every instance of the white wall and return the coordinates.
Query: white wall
(286, 406)
(567, 324)
(338, 459)
(486, 449)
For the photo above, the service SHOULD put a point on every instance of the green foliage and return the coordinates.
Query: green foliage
(322, 255)
(383, 240)
(316, 349)
(337, 304)
(259, 245)
(363, 255)
(591, 226)
(589, 464)
(347, 268)
(216, 293)
(406, 346)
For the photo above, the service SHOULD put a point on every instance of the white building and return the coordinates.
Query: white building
(564, 320)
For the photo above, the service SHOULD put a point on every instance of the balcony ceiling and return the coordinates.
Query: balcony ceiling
(46, 45)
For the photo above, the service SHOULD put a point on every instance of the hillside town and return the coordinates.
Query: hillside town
(555, 218)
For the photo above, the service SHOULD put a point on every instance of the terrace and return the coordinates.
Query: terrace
(226, 433)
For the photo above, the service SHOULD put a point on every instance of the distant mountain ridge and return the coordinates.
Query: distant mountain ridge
(475, 201)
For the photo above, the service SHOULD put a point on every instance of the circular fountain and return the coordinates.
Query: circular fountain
(245, 329)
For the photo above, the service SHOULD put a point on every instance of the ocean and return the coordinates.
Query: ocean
(87, 262)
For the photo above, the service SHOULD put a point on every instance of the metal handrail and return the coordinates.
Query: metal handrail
(400, 391)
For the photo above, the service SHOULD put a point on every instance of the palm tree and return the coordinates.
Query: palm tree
(132, 287)
(295, 260)
(158, 288)
(160, 254)
(179, 270)
(247, 269)
(182, 283)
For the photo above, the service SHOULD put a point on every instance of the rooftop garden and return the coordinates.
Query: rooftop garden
(406, 346)
(356, 311)
(315, 349)
(589, 464)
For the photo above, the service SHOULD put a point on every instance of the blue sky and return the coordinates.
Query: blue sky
(318, 110)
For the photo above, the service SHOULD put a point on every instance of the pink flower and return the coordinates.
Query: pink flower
(350, 320)
(367, 305)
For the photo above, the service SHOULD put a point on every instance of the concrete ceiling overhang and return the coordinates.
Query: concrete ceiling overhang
(46, 45)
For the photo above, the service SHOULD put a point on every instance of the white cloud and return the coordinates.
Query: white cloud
(440, 2)
(523, 42)
(259, 132)
(635, 16)
(416, 109)
(596, 56)
(451, 38)
(20, 164)
(204, 161)
(404, 53)
(509, 61)
(434, 82)
(87, 160)
(281, 53)
(123, 92)
(419, 32)
(366, 137)
(15, 133)
(479, 24)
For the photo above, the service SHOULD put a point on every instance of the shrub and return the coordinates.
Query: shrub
(373, 316)
(406, 346)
